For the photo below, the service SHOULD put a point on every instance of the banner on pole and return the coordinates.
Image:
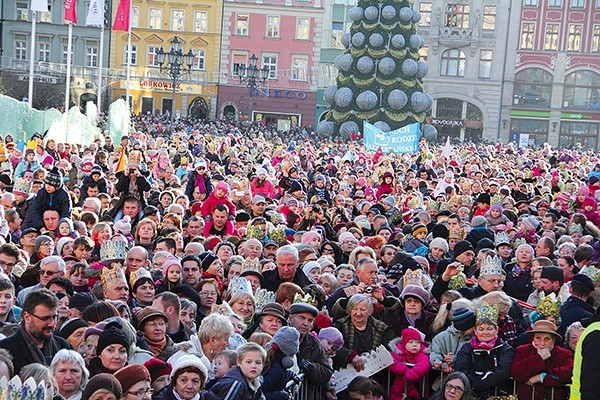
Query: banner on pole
(39, 5)
(95, 16)
(71, 11)
(401, 140)
(122, 17)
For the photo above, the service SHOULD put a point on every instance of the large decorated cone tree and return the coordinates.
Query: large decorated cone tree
(380, 76)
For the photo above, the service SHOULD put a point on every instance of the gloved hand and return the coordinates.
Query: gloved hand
(303, 364)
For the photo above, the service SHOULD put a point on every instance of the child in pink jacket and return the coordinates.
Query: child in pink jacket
(411, 365)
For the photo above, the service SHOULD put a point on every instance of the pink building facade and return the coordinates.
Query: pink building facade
(556, 93)
(284, 36)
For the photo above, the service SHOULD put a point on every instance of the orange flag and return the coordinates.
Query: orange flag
(122, 161)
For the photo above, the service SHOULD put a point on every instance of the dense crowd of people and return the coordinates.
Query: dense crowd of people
(230, 261)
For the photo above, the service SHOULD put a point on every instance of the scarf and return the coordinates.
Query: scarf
(410, 320)
(477, 344)
(199, 183)
(156, 346)
(518, 271)
(46, 353)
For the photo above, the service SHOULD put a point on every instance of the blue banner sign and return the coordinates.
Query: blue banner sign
(402, 140)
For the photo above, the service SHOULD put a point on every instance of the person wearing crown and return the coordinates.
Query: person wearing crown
(114, 284)
(541, 368)
(486, 360)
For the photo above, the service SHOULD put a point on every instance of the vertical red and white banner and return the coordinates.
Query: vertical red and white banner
(71, 11)
(122, 17)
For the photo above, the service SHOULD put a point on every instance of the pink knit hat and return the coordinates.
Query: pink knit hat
(168, 263)
(307, 237)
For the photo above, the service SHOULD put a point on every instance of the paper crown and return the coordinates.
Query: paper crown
(222, 309)
(592, 272)
(487, 312)
(518, 242)
(278, 235)
(458, 281)
(458, 234)
(491, 266)
(307, 298)
(113, 250)
(549, 306)
(501, 238)
(21, 186)
(111, 277)
(414, 203)
(137, 275)
(575, 228)
(413, 278)
(254, 231)
(240, 285)
(263, 297)
(16, 390)
(496, 199)
(250, 265)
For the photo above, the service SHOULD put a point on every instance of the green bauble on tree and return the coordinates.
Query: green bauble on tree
(380, 76)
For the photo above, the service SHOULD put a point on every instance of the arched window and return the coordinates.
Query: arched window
(582, 90)
(533, 88)
(453, 63)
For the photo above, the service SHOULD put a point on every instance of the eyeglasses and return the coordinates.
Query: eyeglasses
(211, 294)
(160, 324)
(328, 251)
(5, 264)
(48, 273)
(452, 388)
(142, 392)
(500, 282)
(47, 319)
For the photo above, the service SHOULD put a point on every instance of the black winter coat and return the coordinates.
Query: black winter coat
(21, 354)
(60, 201)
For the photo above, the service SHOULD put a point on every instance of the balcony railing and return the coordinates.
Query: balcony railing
(455, 36)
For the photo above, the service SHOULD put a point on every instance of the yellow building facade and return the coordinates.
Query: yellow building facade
(155, 23)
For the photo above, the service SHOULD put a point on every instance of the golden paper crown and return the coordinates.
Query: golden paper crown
(414, 202)
(433, 206)
(111, 277)
(222, 309)
(592, 272)
(413, 278)
(487, 312)
(307, 298)
(549, 306)
(250, 265)
(456, 234)
(135, 156)
(138, 274)
(240, 285)
(254, 231)
(491, 266)
(496, 199)
(113, 250)
(278, 235)
(458, 281)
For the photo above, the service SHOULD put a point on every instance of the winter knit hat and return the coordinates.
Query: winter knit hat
(478, 221)
(295, 186)
(112, 335)
(462, 247)
(411, 333)
(286, 339)
(71, 326)
(207, 259)
(530, 223)
(157, 368)
(416, 291)
(419, 228)
(525, 248)
(223, 186)
(123, 226)
(333, 335)
(497, 207)
(132, 374)
(261, 171)
(390, 200)
(307, 237)
(102, 381)
(440, 243)
(463, 319)
(309, 266)
(190, 360)
(583, 190)
(169, 262)
(345, 236)
(54, 178)
(61, 243)
(41, 240)
(21, 187)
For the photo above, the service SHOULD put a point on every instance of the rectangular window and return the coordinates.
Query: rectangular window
(577, 3)
(457, 15)
(555, 3)
(46, 16)
(423, 53)
(596, 39)
(551, 39)
(489, 18)
(155, 18)
(302, 28)
(91, 55)
(425, 10)
(22, 8)
(135, 17)
(273, 26)
(270, 61)
(485, 63)
(239, 60)
(200, 59)
(177, 20)
(21, 48)
(241, 25)
(299, 68)
(597, 4)
(133, 55)
(64, 51)
(152, 60)
(200, 21)
(527, 35)
(574, 43)
(337, 30)
(531, 3)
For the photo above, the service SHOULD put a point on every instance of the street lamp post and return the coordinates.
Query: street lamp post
(175, 67)
(253, 77)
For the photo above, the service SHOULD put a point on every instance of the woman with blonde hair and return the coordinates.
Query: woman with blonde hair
(443, 318)
(145, 233)
(361, 252)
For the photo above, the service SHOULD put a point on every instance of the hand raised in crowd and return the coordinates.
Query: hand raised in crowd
(452, 270)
